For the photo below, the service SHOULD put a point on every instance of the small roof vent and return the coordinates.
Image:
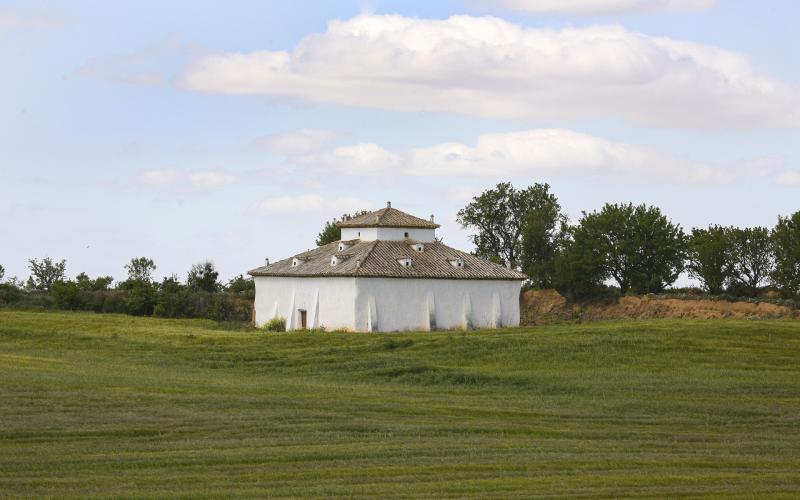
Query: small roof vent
(338, 258)
(299, 259)
(456, 262)
(418, 247)
(344, 245)
(405, 261)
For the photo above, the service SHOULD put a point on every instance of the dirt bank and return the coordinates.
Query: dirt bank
(545, 306)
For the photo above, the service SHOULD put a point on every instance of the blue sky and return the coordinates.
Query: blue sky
(232, 130)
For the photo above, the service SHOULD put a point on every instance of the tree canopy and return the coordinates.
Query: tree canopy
(45, 273)
(203, 276)
(709, 257)
(140, 269)
(786, 247)
(643, 251)
(544, 234)
(751, 260)
(499, 217)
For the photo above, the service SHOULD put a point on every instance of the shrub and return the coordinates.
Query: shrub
(276, 325)
(10, 294)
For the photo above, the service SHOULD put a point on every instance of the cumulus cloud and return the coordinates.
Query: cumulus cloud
(596, 7)
(172, 177)
(308, 203)
(298, 142)
(484, 66)
(541, 152)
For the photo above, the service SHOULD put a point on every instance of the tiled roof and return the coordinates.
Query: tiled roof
(378, 259)
(388, 217)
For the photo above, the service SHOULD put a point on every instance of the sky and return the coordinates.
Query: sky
(231, 131)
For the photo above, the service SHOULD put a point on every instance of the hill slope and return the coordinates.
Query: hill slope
(116, 405)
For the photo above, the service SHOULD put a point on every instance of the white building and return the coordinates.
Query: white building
(388, 273)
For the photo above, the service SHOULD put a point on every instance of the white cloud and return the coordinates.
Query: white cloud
(790, 178)
(597, 7)
(484, 66)
(308, 203)
(355, 159)
(161, 177)
(298, 142)
(172, 177)
(551, 152)
(564, 152)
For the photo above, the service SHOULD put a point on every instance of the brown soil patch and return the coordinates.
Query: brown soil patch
(545, 306)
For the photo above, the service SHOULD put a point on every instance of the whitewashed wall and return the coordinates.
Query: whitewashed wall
(387, 233)
(391, 304)
(328, 302)
(388, 304)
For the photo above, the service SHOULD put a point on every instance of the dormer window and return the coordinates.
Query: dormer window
(418, 247)
(338, 259)
(299, 260)
(344, 245)
(456, 262)
(404, 261)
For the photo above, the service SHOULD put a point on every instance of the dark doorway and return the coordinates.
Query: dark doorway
(303, 318)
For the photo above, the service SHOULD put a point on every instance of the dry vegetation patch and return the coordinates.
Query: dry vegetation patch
(543, 306)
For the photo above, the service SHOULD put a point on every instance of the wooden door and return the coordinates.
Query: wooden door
(303, 316)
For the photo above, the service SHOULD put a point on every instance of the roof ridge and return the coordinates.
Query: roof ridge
(383, 213)
(369, 252)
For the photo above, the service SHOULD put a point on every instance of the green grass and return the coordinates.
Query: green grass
(108, 405)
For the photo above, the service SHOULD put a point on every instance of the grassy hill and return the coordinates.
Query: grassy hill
(97, 405)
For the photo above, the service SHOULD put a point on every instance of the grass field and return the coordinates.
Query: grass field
(107, 405)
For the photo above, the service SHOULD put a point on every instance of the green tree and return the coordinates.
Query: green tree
(544, 234)
(67, 295)
(203, 277)
(98, 284)
(173, 299)
(331, 231)
(499, 217)
(140, 269)
(45, 273)
(644, 252)
(751, 258)
(241, 285)
(786, 246)
(709, 257)
(581, 269)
